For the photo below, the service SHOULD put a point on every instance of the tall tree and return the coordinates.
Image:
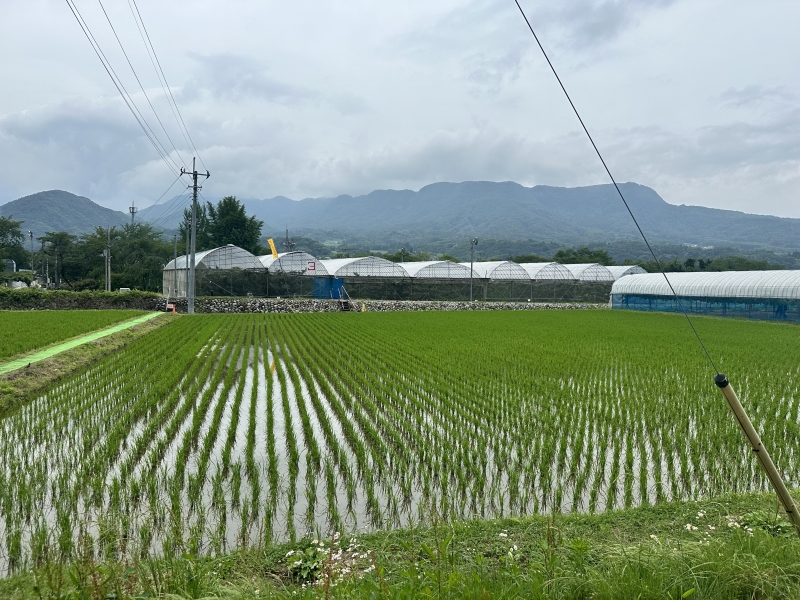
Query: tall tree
(12, 242)
(138, 254)
(228, 223)
(203, 241)
(60, 245)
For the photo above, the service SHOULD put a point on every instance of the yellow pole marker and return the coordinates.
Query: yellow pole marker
(272, 367)
(272, 247)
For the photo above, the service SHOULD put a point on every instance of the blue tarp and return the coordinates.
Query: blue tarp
(327, 287)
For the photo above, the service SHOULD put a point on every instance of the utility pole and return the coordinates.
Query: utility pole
(193, 243)
(472, 243)
(186, 267)
(42, 272)
(287, 243)
(175, 268)
(133, 210)
(30, 234)
(107, 254)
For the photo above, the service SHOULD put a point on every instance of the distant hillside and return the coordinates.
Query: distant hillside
(583, 215)
(56, 210)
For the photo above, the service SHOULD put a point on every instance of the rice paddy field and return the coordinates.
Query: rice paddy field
(216, 433)
(23, 331)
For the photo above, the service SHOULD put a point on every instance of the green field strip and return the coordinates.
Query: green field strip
(43, 354)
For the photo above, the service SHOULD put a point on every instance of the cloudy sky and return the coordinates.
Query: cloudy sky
(695, 98)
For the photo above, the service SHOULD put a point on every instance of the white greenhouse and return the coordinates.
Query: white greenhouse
(548, 271)
(498, 270)
(751, 294)
(366, 266)
(436, 269)
(622, 271)
(590, 272)
(225, 258)
(296, 263)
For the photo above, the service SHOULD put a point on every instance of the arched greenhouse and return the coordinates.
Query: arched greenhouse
(622, 271)
(750, 294)
(225, 271)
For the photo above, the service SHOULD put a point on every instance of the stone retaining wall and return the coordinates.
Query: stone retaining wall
(285, 305)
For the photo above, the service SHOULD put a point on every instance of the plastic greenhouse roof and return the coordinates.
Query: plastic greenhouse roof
(224, 257)
(590, 272)
(436, 269)
(365, 266)
(622, 271)
(497, 270)
(547, 271)
(293, 262)
(783, 285)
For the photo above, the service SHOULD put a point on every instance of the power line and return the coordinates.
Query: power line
(126, 97)
(625, 202)
(165, 85)
(178, 203)
(121, 47)
(142, 213)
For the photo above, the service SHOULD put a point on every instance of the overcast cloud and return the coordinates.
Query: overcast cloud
(697, 99)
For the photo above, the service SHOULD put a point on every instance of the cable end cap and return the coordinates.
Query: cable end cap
(721, 380)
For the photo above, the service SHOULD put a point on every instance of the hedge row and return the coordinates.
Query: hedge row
(36, 299)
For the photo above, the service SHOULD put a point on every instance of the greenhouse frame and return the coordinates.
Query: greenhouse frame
(547, 271)
(229, 259)
(590, 272)
(296, 263)
(624, 270)
(436, 269)
(769, 295)
(498, 270)
(365, 266)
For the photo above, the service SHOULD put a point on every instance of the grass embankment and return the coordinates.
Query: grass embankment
(733, 547)
(22, 332)
(17, 387)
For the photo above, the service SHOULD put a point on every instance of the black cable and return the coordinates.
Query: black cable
(141, 87)
(165, 85)
(169, 90)
(625, 202)
(178, 204)
(120, 86)
(143, 212)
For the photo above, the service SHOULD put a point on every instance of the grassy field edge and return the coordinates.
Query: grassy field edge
(737, 546)
(17, 387)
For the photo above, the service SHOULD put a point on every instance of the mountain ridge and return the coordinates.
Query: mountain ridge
(502, 210)
(57, 210)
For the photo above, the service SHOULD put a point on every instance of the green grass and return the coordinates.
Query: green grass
(735, 547)
(24, 331)
(227, 435)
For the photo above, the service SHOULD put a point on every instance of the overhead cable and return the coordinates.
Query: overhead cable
(144, 211)
(126, 97)
(149, 44)
(141, 87)
(624, 201)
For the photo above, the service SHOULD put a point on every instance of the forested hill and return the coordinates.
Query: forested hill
(56, 210)
(511, 211)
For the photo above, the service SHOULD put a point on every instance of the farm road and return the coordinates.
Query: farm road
(58, 348)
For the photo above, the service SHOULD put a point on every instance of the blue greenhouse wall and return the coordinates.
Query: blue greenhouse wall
(749, 308)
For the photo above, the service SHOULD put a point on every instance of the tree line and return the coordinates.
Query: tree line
(138, 251)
